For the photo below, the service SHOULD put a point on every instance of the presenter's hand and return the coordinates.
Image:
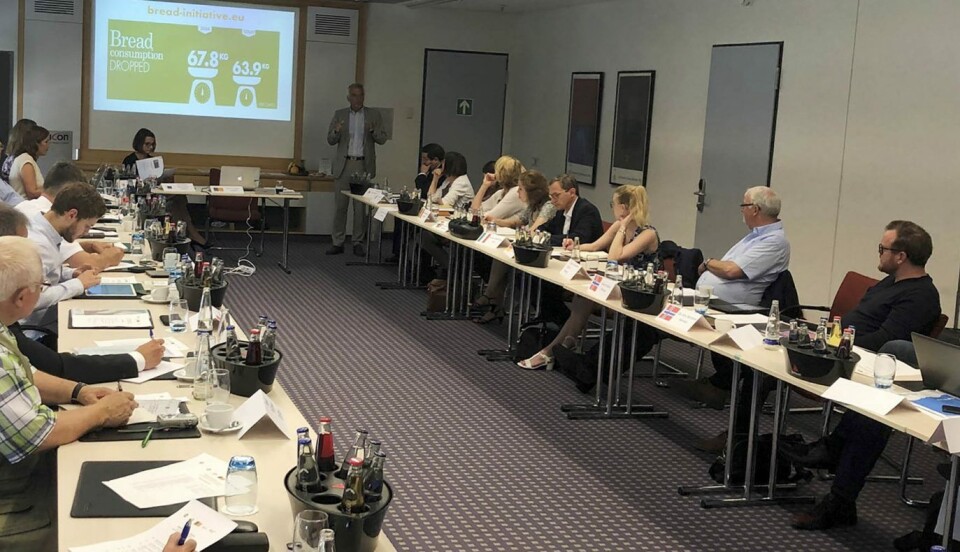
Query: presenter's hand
(368, 127)
(92, 395)
(338, 126)
(172, 545)
(88, 278)
(117, 408)
(152, 352)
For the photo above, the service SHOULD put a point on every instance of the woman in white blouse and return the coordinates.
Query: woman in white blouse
(25, 175)
(456, 188)
(505, 201)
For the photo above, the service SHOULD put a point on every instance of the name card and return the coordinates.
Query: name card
(443, 225)
(604, 288)
(573, 270)
(510, 253)
(425, 215)
(491, 239)
(178, 187)
(683, 319)
(373, 195)
(381, 214)
(948, 433)
(255, 409)
(226, 189)
(744, 338)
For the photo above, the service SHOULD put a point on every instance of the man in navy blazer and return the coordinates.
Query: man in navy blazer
(576, 217)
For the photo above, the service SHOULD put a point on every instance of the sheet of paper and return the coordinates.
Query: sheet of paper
(120, 246)
(207, 528)
(869, 398)
(198, 477)
(256, 408)
(124, 265)
(118, 279)
(172, 347)
(381, 214)
(905, 372)
(104, 318)
(151, 167)
(506, 231)
(178, 187)
(742, 318)
(165, 367)
(194, 319)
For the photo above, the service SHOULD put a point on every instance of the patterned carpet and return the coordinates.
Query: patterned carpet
(481, 456)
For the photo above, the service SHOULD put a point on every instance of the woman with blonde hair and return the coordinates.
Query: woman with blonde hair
(630, 240)
(504, 199)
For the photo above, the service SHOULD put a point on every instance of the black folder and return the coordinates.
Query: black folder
(95, 500)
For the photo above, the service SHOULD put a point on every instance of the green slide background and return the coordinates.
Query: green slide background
(168, 80)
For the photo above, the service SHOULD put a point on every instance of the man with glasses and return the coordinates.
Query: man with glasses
(576, 217)
(905, 301)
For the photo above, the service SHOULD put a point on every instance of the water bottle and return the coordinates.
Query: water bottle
(174, 294)
(241, 476)
(205, 312)
(771, 337)
(136, 246)
(201, 371)
(676, 297)
(576, 249)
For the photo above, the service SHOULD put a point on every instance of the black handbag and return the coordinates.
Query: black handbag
(532, 339)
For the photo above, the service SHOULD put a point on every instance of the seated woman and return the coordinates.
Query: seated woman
(144, 145)
(534, 193)
(629, 240)
(25, 176)
(7, 194)
(455, 190)
(498, 195)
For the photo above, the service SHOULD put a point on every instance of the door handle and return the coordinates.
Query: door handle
(701, 194)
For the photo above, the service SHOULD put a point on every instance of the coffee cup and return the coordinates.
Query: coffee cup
(160, 293)
(218, 416)
(722, 326)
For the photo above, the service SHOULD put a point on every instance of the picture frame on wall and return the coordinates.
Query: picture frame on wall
(583, 127)
(633, 112)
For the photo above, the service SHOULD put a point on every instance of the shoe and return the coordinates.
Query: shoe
(816, 455)
(335, 250)
(358, 250)
(569, 342)
(494, 315)
(702, 390)
(714, 444)
(539, 361)
(831, 511)
(482, 301)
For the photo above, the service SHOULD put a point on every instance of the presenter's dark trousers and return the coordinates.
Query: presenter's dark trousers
(341, 203)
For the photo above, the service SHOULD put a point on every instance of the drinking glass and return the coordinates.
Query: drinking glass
(701, 301)
(306, 530)
(170, 258)
(179, 312)
(884, 369)
(592, 263)
(242, 476)
(219, 386)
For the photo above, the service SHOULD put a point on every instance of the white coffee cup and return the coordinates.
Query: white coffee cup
(723, 326)
(218, 416)
(160, 293)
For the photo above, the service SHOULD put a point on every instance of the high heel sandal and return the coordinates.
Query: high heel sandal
(482, 301)
(495, 314)
(539, 361)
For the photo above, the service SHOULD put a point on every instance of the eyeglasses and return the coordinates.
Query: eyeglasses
(555, 195)
(881, 249)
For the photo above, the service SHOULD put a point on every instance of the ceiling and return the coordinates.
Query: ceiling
(507, 6)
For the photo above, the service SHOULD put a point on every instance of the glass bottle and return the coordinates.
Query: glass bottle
(676, 297)
(771, 337)
(794, 336)
(352, 501)
(803, 338)
(576, 249)
(843, 349)
(307, 472)
(373, 447)
(262, 323)
(836, 333)
(205, 312)
(268, 342)
(327, 541)
(232, 348)
(373, 478)
(820, 343)
(201, 381)
(254, 352)
(326, 457)
(648, 279)
(198, 265)
(356, 451)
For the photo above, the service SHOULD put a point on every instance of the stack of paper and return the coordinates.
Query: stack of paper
(110, 318)
(905, 372)
(198, 477)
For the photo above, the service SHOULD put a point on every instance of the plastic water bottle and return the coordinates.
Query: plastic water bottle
(136, 247)
(241, 475)
(771, 337)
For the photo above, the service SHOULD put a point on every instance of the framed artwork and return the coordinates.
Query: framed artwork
(631, 127)
(583, 129)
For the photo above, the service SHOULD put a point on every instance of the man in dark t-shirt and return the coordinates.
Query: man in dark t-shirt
(905, 301)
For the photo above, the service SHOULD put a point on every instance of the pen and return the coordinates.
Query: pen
(185, 532)
(143, 444)
(151, 333)
(119, 387)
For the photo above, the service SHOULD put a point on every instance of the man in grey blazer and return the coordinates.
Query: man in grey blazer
(356, 131)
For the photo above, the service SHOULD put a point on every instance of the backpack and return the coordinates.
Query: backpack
(787, 472)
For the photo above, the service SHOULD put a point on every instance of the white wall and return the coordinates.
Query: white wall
(396, 39)
(903, 127)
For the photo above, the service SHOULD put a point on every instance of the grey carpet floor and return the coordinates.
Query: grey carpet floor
(480, 455)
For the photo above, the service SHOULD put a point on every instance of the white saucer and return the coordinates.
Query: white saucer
(152, 301)
(235, 427)
(181, 375)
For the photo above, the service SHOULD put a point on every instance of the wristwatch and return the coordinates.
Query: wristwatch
(75, 395)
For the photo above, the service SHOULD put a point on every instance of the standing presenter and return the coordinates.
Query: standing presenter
(355, 131)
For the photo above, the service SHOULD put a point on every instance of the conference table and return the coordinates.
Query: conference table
(274, 451)
(262, 195)
(764, 362)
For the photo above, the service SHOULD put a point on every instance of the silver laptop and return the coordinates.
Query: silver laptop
(248, 177)
(939, 364)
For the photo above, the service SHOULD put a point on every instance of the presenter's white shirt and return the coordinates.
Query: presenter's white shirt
(41, 205)
(568, 216)
(355, 149)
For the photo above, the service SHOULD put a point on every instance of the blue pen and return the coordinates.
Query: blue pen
(185, 532)
(151, 333)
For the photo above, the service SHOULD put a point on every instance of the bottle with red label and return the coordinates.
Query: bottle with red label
(326, 457)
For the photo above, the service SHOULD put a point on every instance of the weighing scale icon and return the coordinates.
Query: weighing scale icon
(246, 93)
(201, 92)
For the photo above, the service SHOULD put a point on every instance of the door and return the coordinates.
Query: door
(464, 94)
(737, 139)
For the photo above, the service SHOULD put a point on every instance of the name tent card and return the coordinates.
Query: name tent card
(604, 288)
(683, 319)
(373, 195)
(425, 215)
(744, 338)
(443, 225)
(255, 409)
(178, 187)
(226, 189)
(573, 270)
(948, 433)
(381, 214)
(491, 239)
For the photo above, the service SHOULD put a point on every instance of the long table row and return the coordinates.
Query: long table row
(765, 363)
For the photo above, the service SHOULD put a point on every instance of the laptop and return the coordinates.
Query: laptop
(939, 364)
(247, 177)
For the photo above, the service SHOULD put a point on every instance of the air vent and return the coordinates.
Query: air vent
(69, 11)
(332, 25)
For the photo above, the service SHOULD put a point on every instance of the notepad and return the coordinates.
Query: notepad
(87, 319)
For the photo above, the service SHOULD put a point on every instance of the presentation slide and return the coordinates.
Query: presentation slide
(193, 59)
